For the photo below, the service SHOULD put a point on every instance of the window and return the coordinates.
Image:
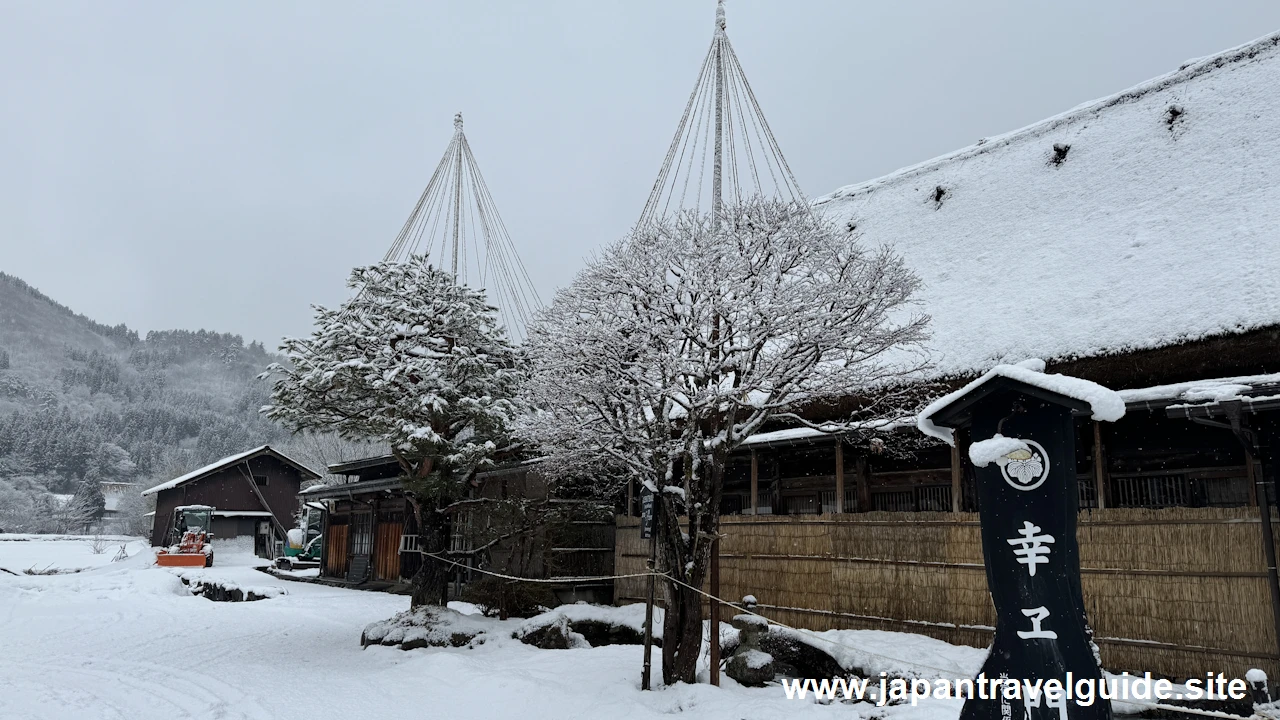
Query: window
(362, 533)
(925, 498)
(261, 480)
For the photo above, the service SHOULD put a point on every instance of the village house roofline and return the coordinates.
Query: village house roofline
(320, 492)
(352, 467)
(207, 470)
(1189, 70)
(1258, 392)
(1143, 220)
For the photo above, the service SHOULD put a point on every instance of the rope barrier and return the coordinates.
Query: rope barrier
(912, 663)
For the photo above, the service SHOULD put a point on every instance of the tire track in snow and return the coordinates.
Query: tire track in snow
(141, 689)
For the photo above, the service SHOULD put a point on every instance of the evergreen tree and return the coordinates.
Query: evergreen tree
(416, 362)
(88, 497)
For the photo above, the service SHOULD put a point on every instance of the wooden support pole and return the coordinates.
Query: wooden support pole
(646, 673)
(957, 474)
(775, 502)
(1100, 477)
(631, 497)
(1251, 472)
(1268, 541)
(863, 470)
(755, 483)
(839, 476)
(714, 638)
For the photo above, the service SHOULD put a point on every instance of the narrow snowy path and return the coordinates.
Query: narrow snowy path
(128, 642)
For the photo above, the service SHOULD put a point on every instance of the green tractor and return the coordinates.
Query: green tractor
(303, 544)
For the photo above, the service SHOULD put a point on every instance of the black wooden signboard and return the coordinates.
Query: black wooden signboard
(646, 513)
(1028, 500)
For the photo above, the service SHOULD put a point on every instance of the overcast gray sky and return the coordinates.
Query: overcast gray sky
(224, 165)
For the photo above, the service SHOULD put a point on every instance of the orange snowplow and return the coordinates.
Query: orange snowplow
(194, 542)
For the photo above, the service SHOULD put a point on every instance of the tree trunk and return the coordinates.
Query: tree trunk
(681, 635)
(431, 582)
(682, 624)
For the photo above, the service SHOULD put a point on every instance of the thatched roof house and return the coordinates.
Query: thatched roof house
(1133, 241)
(1148, 219)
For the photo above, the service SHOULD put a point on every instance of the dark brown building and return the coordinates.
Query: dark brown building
(254, 493)
(371, 535)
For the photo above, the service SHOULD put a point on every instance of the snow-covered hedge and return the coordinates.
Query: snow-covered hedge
(222, 589)
(568, 626)
(428, 626)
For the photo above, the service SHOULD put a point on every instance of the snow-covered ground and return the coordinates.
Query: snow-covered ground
(62, 553)
(128, 640)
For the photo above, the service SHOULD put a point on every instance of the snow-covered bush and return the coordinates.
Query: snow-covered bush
(507, 598)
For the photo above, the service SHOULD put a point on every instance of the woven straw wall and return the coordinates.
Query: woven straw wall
(1178, 592)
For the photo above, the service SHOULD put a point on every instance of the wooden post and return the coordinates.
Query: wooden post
(715, 612)
(755, 483)
(373, 538)
(253, 485)
(863, 470)
(631, 497)
(775, 502)
(839, 476)
(1251, 472)
(1100, 476)
(1268, 537)
(648, 608)
(957, 471)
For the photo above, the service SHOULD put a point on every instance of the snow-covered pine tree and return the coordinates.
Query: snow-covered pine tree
(690, 334)
(414, 361)
(87, 504)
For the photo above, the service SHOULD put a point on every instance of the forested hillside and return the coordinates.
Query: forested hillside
(84, 401)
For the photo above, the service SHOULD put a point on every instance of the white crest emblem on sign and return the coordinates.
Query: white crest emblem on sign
(1025, 469)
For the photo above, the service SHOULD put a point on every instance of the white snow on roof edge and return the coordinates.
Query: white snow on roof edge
(1151, 230)
(1105, 404)
(211, 467)
(1189, 70)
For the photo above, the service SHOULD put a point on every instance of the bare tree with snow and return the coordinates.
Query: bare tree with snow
(416, 362)
(689, 335)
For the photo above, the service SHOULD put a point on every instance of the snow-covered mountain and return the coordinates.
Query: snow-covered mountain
(70, 386)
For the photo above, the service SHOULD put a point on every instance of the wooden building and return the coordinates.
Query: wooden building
(369, 532)
(254, 493)
(1131, 241)
(371, 537)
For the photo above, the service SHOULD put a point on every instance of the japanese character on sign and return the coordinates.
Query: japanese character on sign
(1034, 548)
(1037, 615)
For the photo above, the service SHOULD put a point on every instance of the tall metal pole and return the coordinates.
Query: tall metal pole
(457, 189)
(717, 203)
(716, 194)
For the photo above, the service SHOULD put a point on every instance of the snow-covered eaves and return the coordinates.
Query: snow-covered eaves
(307, 473)
(1141, 220)
(380, 485)
(351, 467)
(792, 436)
(1200, 391)
(1103, 403)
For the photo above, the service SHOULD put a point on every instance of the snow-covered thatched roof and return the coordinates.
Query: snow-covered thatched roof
(1140, 220)
(306, 472)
